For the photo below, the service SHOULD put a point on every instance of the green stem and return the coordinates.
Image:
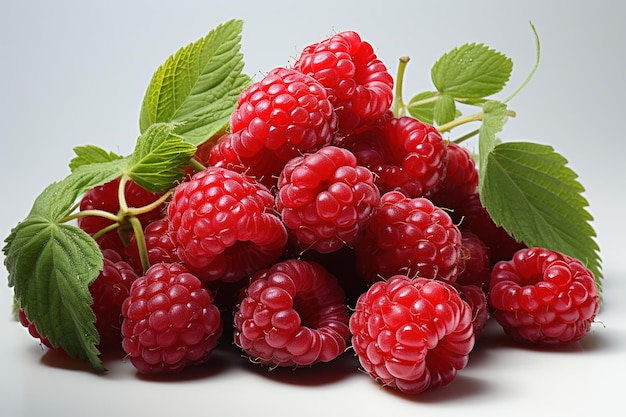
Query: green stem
(121, 195)
(399, 108)
(104, 230)
(141, 242)
(94, 212)
(466, 136)
(134, 211)
(534, 69)
(196, 165)
(446, 127)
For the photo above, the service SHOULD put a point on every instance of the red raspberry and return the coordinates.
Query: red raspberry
(294, 313)
(32, 328)
(475, 265)
(403, 153)
(543, 296)
(160, 245)
(461, 178)
(281, 116)
(105, 197)
(412, 334)
(472, 216)
(325, 199)
(170, 321)
(108, 290)
(359, 84)
(476, 298)
(224, 225)
(409, 236)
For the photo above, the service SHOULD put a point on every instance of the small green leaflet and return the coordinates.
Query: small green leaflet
(50, 267)
(494, 118)
(158, 158)
(471, 71)
(198, 86)
(90, 154)
(529, 190)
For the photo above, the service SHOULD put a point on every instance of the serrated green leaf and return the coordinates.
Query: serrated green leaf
(158, 158)
(90, 154)
(528, 189)
(50, 267)
(422, 106)
(493, 119)
(58, 199)
(198, 86)
(471, 71)
(444, 109)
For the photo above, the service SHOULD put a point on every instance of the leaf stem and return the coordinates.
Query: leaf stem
(94, 212)
(399, 107)
(476, 117)
(134, 211)
(196, 165)
(141, 242)
(121, 195)
(534, 69)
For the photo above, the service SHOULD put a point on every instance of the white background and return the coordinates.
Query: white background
(74, 73)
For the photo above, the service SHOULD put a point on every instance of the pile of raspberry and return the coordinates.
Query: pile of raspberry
(323, 222)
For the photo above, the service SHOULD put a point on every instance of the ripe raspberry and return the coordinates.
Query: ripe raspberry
(105, 197)
(472, 216)
(358, 83)
(281, 116)
(412, 334)
(325, 199)
(108, 290)
(475, 265)
(476, 298)
(461, 178)
(294, 313)
(32, 328)
(409, 236)
(543, 296)
(224, 225)
(403, 153)
(160, 245)
(170, 321)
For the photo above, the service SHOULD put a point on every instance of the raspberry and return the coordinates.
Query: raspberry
(476, 298)
(281, 116)
(293, 313)
(409, 236)
(108, 290)
(461, 178)
(412, 334)
(32, 328)
(359, 84)
(543, 296)
(472, 216)
(403, 153)
(325, 199)
(105, 197)
(170, 321)
(224, 225)
(475, 262)
(160, 245)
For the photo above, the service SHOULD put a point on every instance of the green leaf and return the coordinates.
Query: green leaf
(494, 116)
(158, 158)
(198, 86)
(50, 267)
(528, 189)
(59, 198)
(90, 154)
(422, 106)
(471, 71)
(444, 109)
